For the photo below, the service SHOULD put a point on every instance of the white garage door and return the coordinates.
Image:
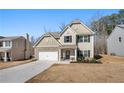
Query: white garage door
(53, 56)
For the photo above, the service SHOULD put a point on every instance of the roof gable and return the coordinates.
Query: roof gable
(66, 30)
(46, 40)
(81, 29)
(78, 27)
(116, 29)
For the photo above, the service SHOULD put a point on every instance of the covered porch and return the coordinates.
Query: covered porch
(5, 55)
(68, 52)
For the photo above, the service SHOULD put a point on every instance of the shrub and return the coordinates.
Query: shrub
(97, 56)
(93, 60)
(83, 58)
(79, 59)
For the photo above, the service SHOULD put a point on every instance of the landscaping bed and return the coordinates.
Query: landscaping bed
(96, 59)
(93, 61)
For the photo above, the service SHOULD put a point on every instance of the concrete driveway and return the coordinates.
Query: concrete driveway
(22, 73)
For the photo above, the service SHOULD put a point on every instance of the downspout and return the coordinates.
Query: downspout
(25, 49)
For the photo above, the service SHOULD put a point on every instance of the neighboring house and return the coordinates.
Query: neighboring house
(15, 48)
(1, 37)
(115, 42)
(76, 40)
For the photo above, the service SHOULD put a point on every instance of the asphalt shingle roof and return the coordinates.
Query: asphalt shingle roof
(55, 34)
(9, 38)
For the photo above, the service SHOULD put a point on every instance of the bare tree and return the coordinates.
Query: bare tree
(62, 26)
(45, 30)
(32, 39)
(100, 34)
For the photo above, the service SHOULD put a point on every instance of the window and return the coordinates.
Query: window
(88, 53)
(87, 38)
(7, 43)
(80, 53)
(119, 39)
(84, 38)
(84, 53)
(67, 39)
(1, 44)
(80, 38)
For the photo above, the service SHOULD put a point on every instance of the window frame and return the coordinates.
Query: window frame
(120, 39)
(80, 38)
(7, 43)
(84, 53)
(1, 44)
(84, 38)
(67, 39)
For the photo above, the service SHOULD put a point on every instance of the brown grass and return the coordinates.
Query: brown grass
(115, 59)
(8, 64)
(112, 70)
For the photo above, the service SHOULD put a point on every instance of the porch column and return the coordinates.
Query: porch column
(5, 56)
(59, 54)
(76, 54)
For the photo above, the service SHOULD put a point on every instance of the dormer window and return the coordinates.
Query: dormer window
(67, 39)
(119, 39)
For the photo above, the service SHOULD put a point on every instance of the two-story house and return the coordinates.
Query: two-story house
(76, 40)
(15, 48)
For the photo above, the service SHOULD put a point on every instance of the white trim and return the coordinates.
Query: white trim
(66, 29)
(113, 31)
(55, 39)
(45, 36)
(87, 28)
(76, 54)
(39, 40)
(74, 30)
(50, 55)
(5, 56)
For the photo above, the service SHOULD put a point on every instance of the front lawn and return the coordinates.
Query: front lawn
(112, 70)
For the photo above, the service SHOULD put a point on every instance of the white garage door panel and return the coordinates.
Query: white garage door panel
(48, 56)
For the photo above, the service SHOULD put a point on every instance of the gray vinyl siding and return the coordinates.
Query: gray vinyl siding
(113, 44)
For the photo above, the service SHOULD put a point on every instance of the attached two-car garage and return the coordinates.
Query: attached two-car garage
(50, 56)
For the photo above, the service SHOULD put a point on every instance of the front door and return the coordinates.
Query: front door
(67, 54)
